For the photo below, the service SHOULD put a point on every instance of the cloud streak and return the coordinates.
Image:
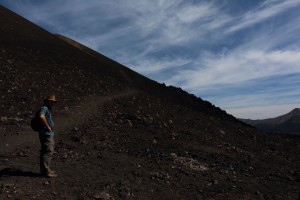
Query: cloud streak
(231, 54)
(266, 10)
(238, 66)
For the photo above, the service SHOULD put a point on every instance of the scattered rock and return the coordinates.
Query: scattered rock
(46, 183)
(122, 139)
(191, 163)
(103, 196)
(130, 123)
(174, 155)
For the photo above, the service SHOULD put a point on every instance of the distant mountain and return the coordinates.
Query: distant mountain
(288, 123)
(121, 135)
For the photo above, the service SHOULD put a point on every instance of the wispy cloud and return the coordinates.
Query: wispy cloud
(155, 67)
(236, 67)
(260, 95)
(266, 10)
(232, 55)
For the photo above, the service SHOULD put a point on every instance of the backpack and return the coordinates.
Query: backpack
(36, 123)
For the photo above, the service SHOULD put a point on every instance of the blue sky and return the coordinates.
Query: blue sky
(241, 55)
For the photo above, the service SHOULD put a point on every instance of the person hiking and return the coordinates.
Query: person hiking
(46, 136)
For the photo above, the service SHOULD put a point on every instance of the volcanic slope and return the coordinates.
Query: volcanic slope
(288, 123)
(120, 135)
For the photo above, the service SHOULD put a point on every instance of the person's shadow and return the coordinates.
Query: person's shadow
(16, 172)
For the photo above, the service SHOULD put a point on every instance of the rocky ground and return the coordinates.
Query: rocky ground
(122, 136)
(133, 146)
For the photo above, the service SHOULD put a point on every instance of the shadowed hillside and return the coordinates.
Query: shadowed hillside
(120, 135)
(288, 123)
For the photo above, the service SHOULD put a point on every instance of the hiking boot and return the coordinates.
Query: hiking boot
(50, 174)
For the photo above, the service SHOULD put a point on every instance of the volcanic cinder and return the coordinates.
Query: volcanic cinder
(120, 135)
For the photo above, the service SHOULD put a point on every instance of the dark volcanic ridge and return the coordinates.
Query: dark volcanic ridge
(120, 135)
(287, 124)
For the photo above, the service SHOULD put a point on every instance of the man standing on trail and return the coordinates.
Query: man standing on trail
(46, 135)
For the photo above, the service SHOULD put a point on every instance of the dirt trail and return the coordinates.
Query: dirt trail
(69, 119)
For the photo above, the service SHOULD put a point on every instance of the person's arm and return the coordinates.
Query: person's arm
(44, 120)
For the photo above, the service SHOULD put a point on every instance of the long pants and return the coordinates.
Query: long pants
(46, 153)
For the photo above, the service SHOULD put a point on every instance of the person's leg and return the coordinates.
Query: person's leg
(49, 143)
(42, 153)
(47, 149)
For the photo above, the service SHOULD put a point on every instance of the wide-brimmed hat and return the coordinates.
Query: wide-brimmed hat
(51, 98)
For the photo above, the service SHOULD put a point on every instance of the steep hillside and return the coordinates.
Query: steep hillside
(135, 80)
(120, 135)
(288, 123)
